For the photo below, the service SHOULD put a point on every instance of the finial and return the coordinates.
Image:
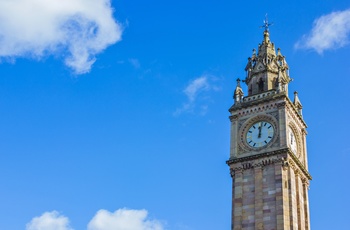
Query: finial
(266, 24)
(279, 52)
(297, 103)
(238, 94)
(254, 52)
(238, 82)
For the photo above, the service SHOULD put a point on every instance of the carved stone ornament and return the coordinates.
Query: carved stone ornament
(232, 173)
(274, 114)
(257, 164)
(241, 122)
(233, 117)
(281, 104)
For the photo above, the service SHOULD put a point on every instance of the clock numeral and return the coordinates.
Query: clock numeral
(265, 142)
(269, 127)
(249, 131)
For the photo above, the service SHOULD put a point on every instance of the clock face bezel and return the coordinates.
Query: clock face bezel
(294, 146)
(293, 143)
(244, 129)
(260, 134)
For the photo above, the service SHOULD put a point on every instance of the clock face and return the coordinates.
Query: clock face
(260, 134)
(292, 141)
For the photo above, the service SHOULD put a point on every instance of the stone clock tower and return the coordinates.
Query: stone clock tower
(268, 157)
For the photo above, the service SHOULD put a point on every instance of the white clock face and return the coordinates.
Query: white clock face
(260, 134)
(292, 141)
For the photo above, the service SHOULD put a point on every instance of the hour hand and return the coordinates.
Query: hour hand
(259, 135)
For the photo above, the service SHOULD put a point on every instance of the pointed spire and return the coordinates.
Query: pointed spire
(238, 94)
(279, 52)
(268, 66)
(297, 103)
(266, 31)
(278, 81)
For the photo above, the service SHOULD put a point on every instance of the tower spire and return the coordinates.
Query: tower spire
(266, 67)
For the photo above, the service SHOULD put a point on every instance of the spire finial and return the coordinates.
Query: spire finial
(297, 103)
(238, 94)
(266, 23)
(238, 82)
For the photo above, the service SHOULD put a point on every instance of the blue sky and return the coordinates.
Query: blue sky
(118, 111)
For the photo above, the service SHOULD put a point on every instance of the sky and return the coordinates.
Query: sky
(114, 114)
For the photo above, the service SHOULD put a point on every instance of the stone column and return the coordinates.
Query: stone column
(279, 195)
(259, 224)
(306, 204)
(232, 172)
(238, 200)
(234, 133)
(282, 123)
(304, 148)
(269, 200)
(285, 195)
(293, 208)
(300, 201)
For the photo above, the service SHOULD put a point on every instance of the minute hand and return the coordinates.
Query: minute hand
(259, 135)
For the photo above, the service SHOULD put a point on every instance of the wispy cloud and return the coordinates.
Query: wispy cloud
(330, 31)
(75, 30)
(135, 63)
(122, 219)
(193, 90)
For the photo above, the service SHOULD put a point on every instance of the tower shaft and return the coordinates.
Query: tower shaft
(268, 157)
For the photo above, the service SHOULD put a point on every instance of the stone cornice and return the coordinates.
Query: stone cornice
(260, 100)
(257, 100)
(295, 160)
(257, 156)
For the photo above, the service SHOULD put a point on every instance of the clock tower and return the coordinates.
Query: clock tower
(268, 157)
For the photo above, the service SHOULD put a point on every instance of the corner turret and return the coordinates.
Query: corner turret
(238, 94)
(297, 103)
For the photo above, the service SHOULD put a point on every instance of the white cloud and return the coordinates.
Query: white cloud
(192, 91)
(49, 221)
(330, 31)
(123, 219)
(75, 30)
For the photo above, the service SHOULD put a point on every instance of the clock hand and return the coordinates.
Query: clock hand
(259, 135)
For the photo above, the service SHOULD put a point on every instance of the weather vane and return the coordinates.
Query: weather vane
(266, 24)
